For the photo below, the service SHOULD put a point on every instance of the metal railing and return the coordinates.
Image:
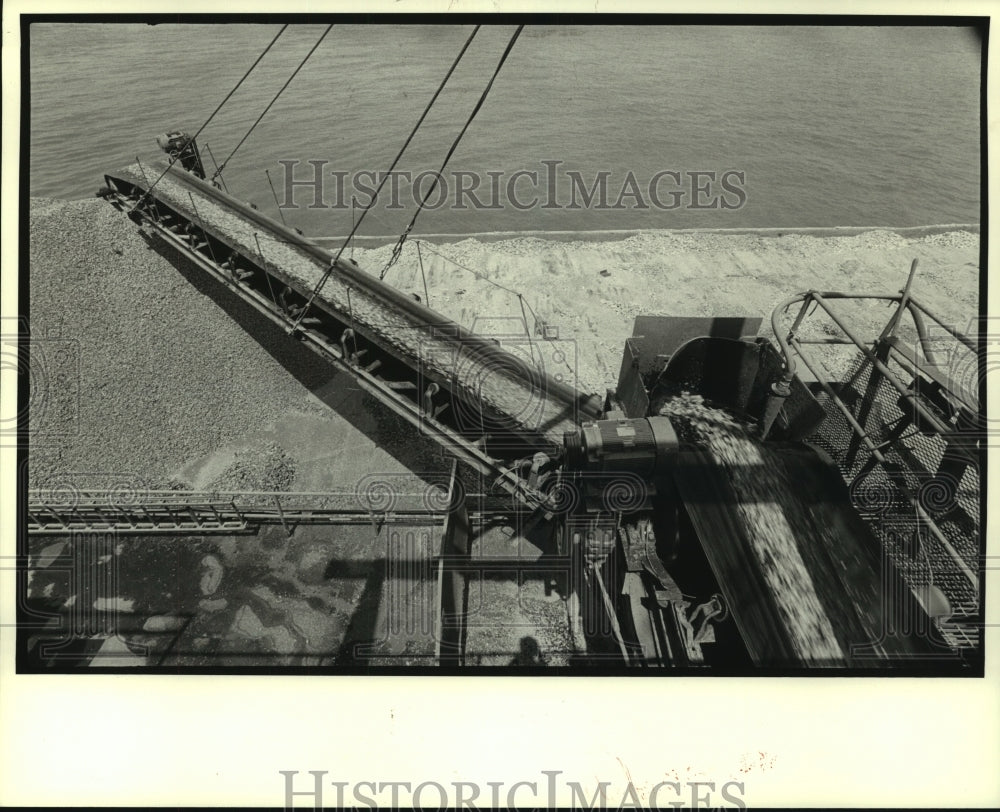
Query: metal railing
(172, 511)
(899, 425)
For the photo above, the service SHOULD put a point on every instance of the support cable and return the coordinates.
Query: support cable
(215, 163)
(253, 126)
(483, 277)
(356, 226)
(398, 249)
(274, 194)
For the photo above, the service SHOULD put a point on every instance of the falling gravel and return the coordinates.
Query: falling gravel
(772, 518)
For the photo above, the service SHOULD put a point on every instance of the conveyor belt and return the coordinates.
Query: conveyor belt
(529, 402)
(825, 598)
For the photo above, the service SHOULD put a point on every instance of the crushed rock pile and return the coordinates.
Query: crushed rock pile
(268, 468)
(135, 368)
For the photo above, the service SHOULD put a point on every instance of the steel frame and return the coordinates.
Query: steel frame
(795, 348)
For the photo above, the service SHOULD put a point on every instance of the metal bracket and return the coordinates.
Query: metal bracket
(429, 393)
(711, 611)
(640, 554)
(347, 355)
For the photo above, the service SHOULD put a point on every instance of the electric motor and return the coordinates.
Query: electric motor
(643, 446)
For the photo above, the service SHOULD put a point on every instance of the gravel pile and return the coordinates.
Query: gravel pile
(772, 519)
(953, 239)
(158, 373)
(268, 468)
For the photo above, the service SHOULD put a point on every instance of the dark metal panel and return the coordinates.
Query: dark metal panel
(655, 336)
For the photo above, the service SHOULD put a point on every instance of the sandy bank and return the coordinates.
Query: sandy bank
(592, 291)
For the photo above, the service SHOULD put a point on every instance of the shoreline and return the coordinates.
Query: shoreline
(610, 235)
(372, 241)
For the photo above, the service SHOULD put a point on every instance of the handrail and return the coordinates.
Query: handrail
(915, 308)
(791, 347)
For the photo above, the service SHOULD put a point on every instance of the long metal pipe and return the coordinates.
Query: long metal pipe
(470, 453)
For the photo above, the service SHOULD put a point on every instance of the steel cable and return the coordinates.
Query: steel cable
(253, 126)
(398, 249)
(399, 155)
